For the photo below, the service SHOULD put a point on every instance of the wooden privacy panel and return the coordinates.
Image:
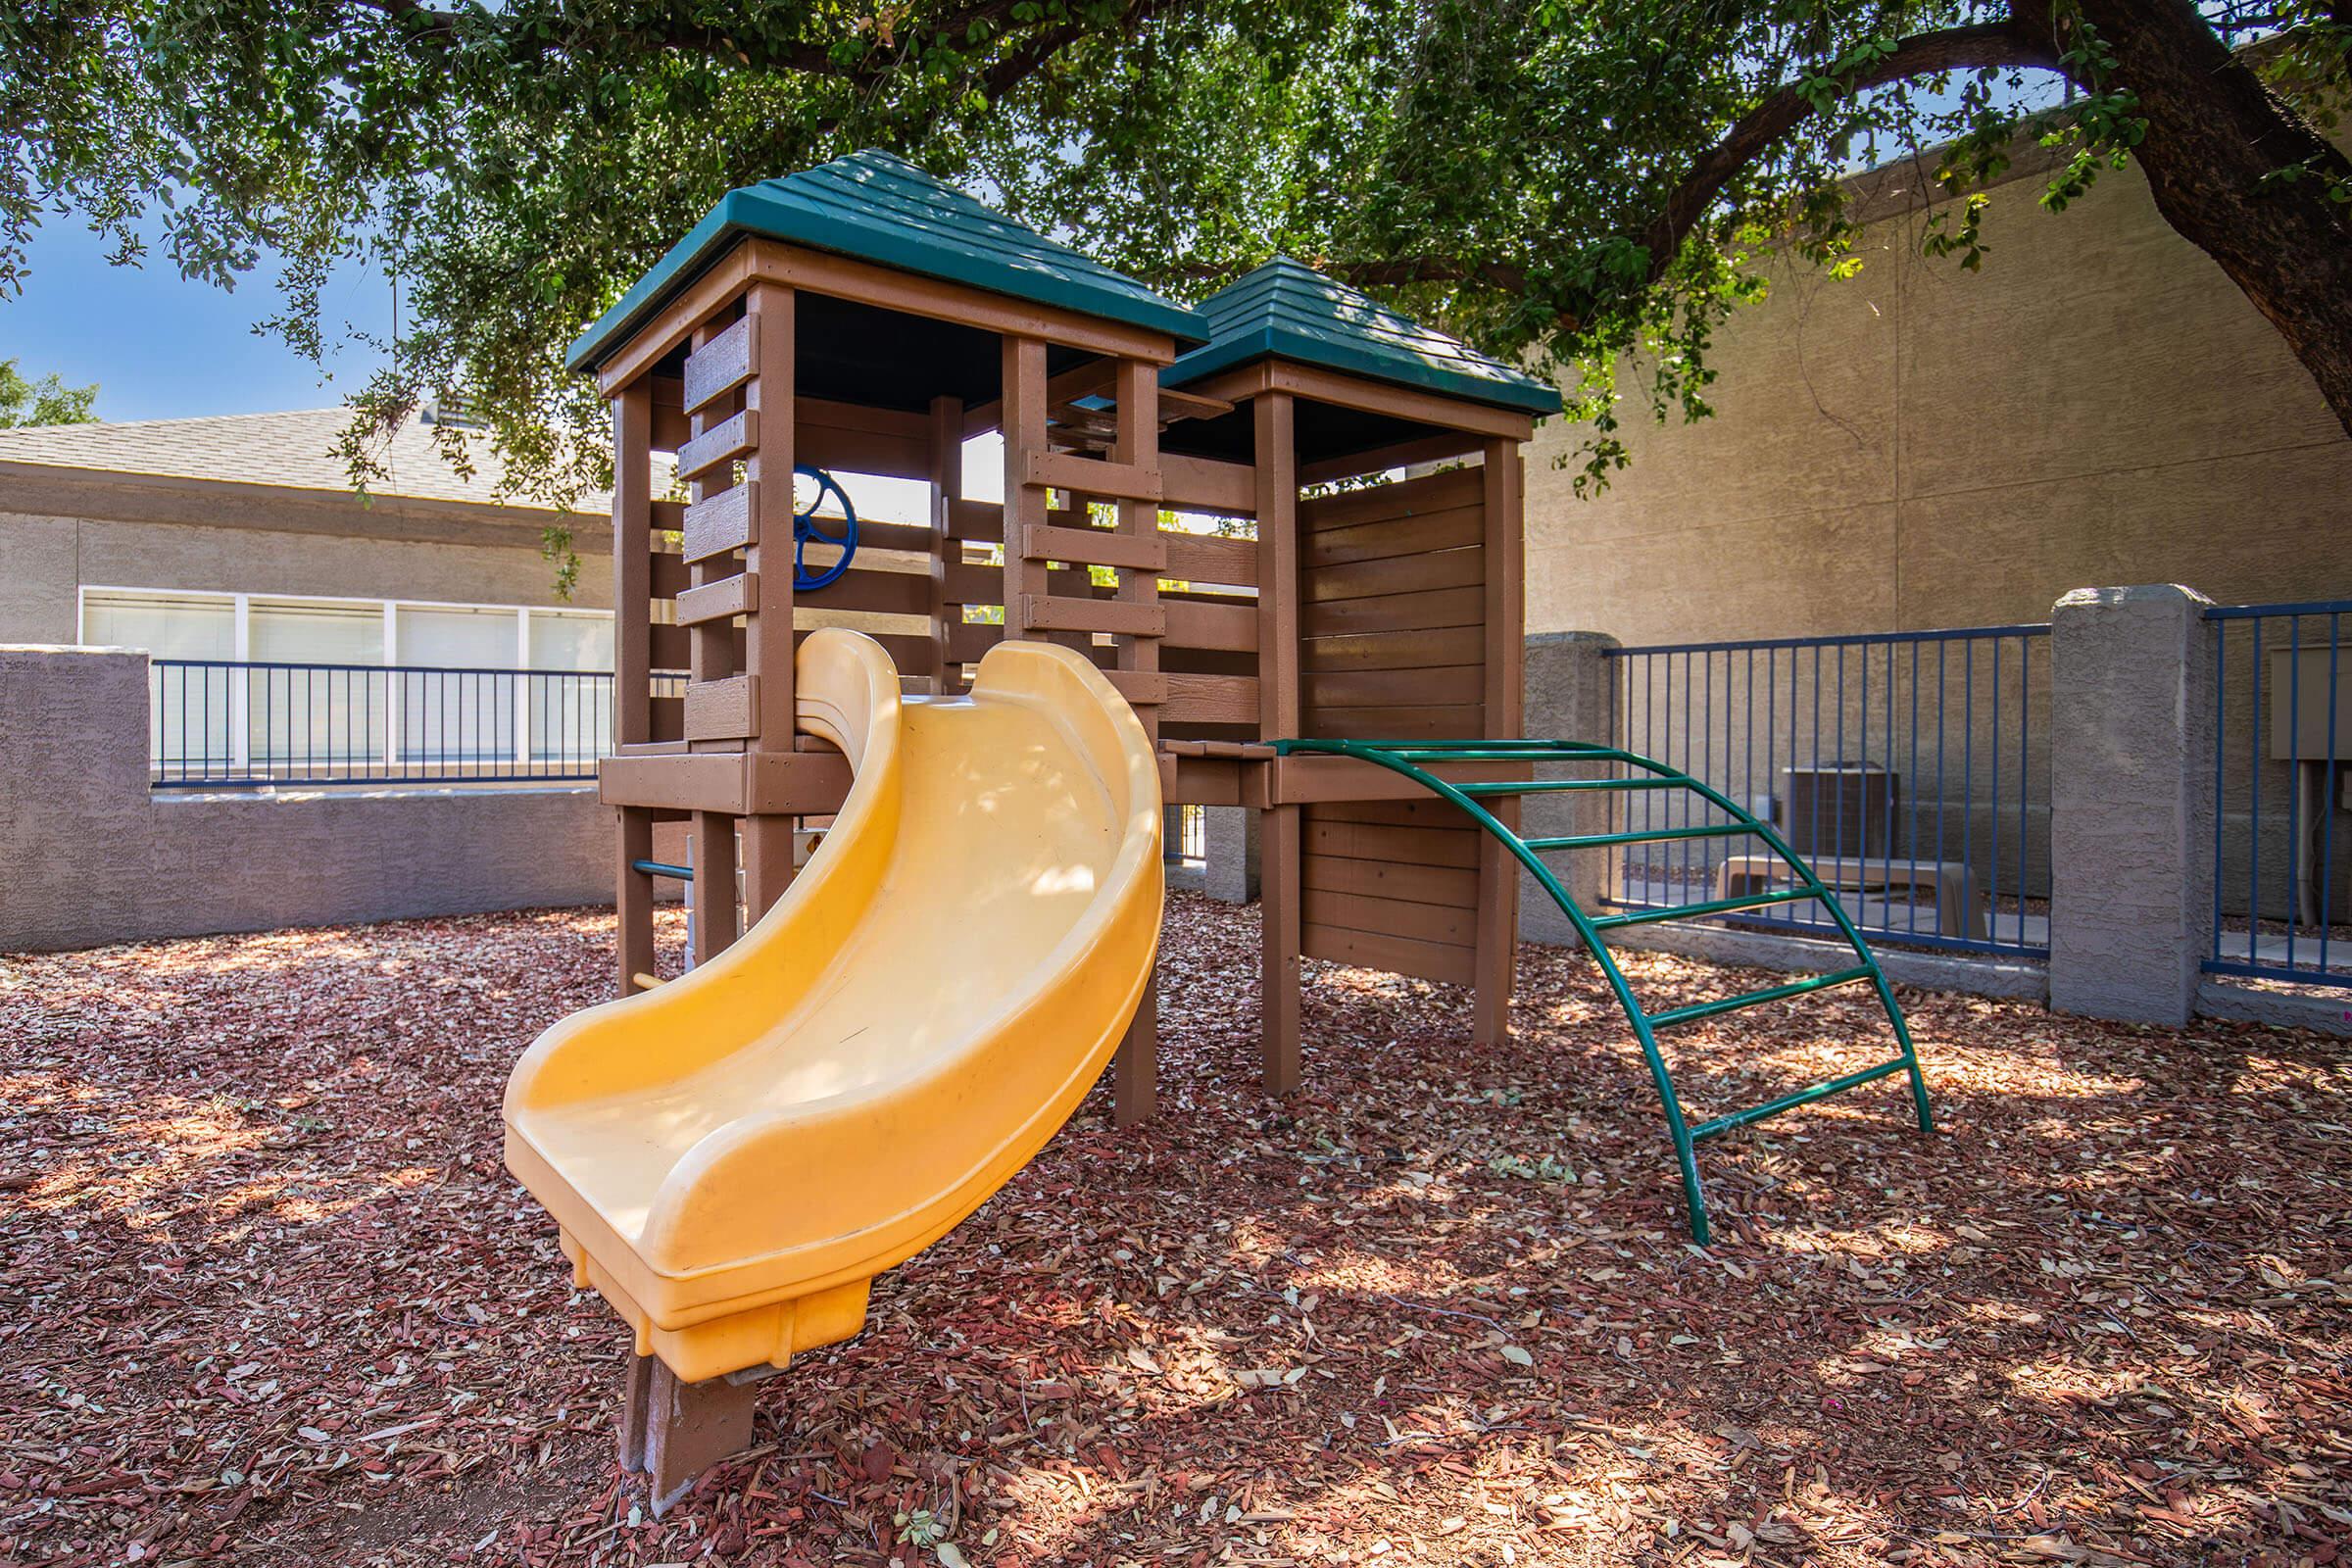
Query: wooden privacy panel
(1391, 885)
(1392, 597)
(1207, 681)
(883, 596)
(1392, 629)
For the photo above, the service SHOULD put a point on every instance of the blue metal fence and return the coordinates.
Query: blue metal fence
(2281, 777)
(224, 724)
(1911, 768)
(1190, 842)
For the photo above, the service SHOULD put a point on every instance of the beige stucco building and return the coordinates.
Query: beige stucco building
(1920, 447)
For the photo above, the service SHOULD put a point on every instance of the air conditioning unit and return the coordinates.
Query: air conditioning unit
(456, 412)
(1839, 808)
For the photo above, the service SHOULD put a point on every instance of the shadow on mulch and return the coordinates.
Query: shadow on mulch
(273, 1298)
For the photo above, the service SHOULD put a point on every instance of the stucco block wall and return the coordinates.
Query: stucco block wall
(1919, 447)
(90, 855)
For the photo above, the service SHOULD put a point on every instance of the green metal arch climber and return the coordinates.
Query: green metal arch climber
(1407, 756)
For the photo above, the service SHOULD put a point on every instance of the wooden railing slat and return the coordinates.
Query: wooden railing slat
(1210, 700)
(723, 600)
(1204, 484)
(1206, 557)
(1200, 625)
(716, 524)
(1062, 613)
(720, 365)
(730, 439)
(1143, 688)
(723, 709)
(1090, 476)
(1095, 546)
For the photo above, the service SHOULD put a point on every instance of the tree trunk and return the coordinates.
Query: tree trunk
(2214, 130)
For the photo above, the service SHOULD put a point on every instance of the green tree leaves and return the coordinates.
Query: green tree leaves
(48, 401)
(1586, 185)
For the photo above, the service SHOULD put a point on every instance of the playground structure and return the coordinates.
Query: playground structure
(1341, 655)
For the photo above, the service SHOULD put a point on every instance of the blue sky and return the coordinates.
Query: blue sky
(160, 347)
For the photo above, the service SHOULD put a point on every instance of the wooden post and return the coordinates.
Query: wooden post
(1135, 1084)
(1138, 444)
(1278, 714)
(767, 641)
(768, 868)
(1505, 653)
(671, 1432)
(635, 903)
(946, 488)
(632, 661)
(768, 648)
(1024, 426)
(712, 892)
(711, 656)
(633, 563)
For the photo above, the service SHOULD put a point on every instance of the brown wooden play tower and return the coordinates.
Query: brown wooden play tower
(1285, 524)
(1227, 474)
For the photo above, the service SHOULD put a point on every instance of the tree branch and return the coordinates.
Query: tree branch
(1003, 74)
(876, 67)
(1752, 134)
(1780, 113)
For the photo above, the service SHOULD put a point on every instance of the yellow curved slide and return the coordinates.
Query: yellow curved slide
(733, 1156)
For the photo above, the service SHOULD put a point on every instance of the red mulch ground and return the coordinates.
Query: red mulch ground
(268, 1295)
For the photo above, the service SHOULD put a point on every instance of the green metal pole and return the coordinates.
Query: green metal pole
(1677, 1129)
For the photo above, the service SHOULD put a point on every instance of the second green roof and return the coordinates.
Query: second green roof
(1284, 310)
(882, 209)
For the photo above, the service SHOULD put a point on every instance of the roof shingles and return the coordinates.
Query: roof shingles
(1287, 311)
(293, 450)
(883, 209)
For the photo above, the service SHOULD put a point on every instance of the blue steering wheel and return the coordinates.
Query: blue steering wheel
(806, 578)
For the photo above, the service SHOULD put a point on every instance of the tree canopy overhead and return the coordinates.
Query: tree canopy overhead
(1587, 182)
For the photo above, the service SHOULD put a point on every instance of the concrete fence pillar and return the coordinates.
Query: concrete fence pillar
(1571, 694)
(73, 796)
(1229, 863)
(2132, 801)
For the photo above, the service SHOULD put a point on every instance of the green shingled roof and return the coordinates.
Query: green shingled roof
(1285, 311)
(882, 209)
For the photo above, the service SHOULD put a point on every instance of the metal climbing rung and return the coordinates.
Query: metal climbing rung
(1600, 840)
(1407, 759)
(1501, 752)
(1699, 912)
(1495, 744)
(1802, 1096)
(684, 873)
(1749, 998)
(1550, 786)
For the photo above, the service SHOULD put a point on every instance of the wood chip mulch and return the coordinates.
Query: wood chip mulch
(267, 1296)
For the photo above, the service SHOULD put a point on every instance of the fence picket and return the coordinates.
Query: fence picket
(1837, 759)
(371, 724)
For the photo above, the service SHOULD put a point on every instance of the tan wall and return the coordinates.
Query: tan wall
(1919, 447)
(90, 855)
(60, 532)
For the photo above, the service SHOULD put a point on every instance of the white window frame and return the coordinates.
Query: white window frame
(242, 603)
(241, 649)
